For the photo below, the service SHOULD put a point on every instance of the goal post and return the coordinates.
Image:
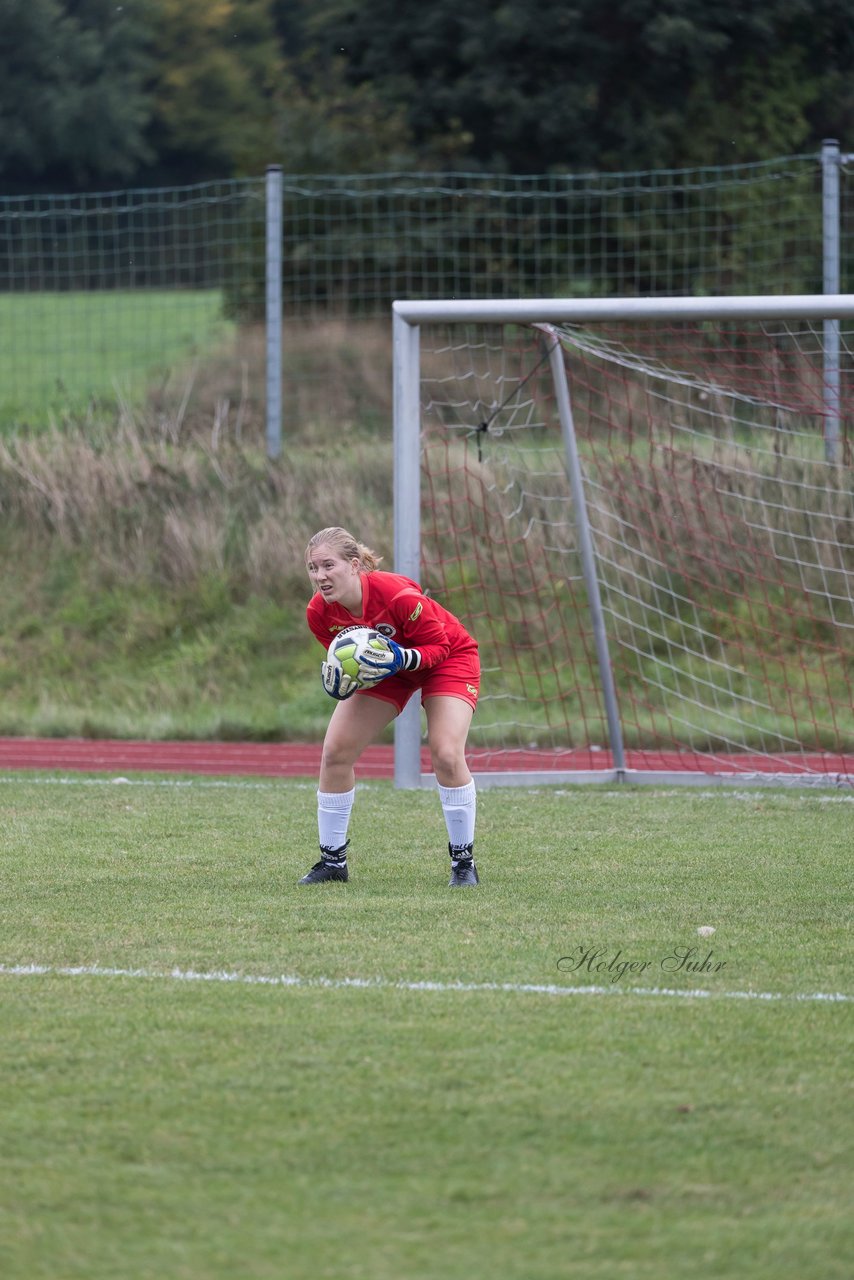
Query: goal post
(643, 508)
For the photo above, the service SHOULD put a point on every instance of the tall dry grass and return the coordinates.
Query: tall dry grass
(146, 506)
(182, 487)
(180, 490)
(692, 477)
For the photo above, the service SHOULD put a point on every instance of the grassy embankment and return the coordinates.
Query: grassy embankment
(152, 556)
(153, 581)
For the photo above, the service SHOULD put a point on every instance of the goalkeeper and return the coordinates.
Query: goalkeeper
(430, 651)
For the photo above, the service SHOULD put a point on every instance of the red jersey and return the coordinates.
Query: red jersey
(397, 607)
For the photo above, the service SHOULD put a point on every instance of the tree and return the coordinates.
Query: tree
(216, 87)
(634, 84)
(325, 125)
(687, 83)
(72, 104)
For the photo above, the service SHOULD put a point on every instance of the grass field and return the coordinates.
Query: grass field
(210, 1073)
(63, 351)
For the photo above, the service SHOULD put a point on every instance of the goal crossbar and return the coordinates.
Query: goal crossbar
(590, 310)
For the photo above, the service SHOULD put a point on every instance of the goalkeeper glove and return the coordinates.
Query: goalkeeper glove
(376, 666)
(336, 682)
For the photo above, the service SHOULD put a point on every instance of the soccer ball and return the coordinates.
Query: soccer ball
(347, 648)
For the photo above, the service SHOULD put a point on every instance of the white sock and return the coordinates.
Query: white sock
(333, 817)
(459, 805)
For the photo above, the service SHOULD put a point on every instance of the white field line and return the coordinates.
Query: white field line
(789, 796)
(384, 984)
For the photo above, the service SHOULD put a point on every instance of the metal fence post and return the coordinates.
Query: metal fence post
(273, 258)
(830, 161)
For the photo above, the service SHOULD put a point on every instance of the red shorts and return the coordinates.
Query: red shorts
(457, 676)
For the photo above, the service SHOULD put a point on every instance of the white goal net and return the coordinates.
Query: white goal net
(645, 513)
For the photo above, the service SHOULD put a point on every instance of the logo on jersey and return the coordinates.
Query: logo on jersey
(416, 613)
(385, 628)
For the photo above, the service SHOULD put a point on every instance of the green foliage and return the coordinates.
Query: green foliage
(326, 125)
(217, 73)
(623, 87)
(73, 105)
(91, 91)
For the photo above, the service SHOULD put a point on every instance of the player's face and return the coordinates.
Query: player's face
(337, 580)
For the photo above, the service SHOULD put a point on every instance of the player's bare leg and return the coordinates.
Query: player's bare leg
(448, 722)
(354, 725)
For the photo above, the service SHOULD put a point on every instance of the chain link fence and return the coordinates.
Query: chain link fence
(358, 243)
(116, 296)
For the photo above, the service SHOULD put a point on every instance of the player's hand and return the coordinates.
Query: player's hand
(376, 665)
(370, 675)
(336, 682)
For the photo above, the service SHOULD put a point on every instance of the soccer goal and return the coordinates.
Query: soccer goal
(644, 511)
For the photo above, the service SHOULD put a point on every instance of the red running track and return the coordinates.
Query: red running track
(295, 759)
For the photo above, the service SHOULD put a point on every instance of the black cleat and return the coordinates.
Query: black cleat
(463, 871)
(325, 871)
(332, 866)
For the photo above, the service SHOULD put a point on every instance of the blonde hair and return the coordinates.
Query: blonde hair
(347, 547)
